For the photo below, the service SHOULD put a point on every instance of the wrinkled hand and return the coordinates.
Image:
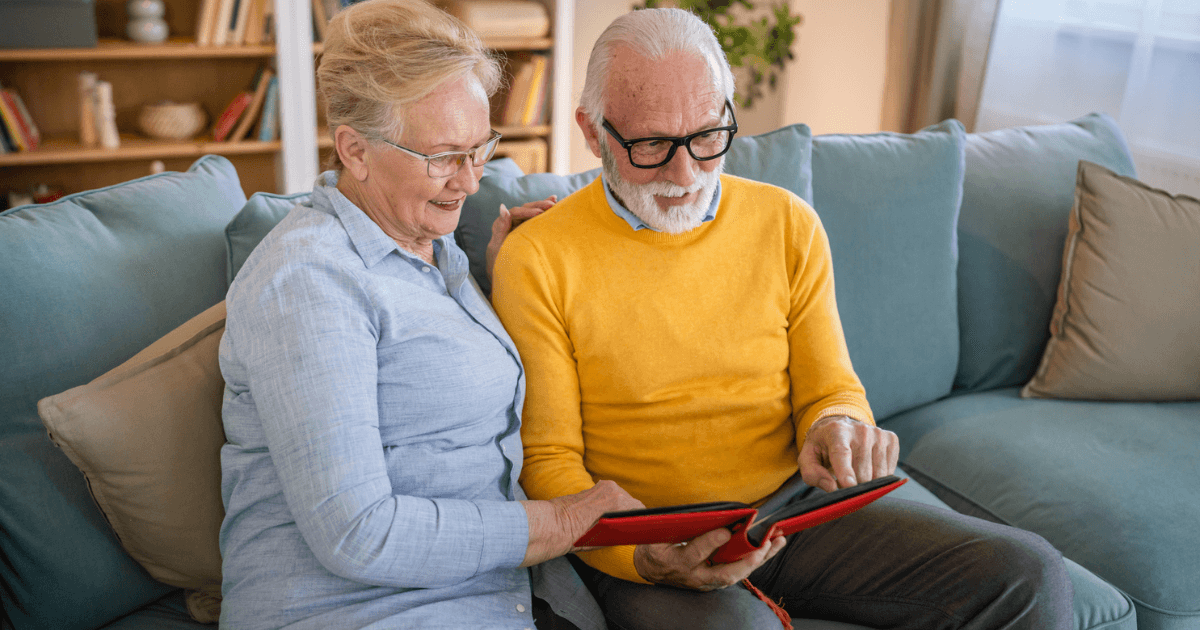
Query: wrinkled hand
(840, 452)
(509, 220)
(555, 525)
(686, 564)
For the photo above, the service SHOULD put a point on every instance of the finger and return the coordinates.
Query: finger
(813, 471)
(862, 453)
(841, 461)
(880, 456)
(777, 545)
(893, 452)
(703, 546)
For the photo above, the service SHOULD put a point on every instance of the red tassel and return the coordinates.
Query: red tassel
(784, 617)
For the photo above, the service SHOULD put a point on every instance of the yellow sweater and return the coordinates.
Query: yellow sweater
(682, 366)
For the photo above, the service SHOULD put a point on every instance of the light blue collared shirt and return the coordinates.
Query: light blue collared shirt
(371, 411)
(637, 224)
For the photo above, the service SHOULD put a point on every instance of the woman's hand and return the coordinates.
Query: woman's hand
(685, 565)
(555, 525)
(509, 220)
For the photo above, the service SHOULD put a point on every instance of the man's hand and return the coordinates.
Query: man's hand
(840, 452)
(555, 525)
(509, 220)
(686, 564)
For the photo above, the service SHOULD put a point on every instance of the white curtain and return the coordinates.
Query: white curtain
(1137, 60)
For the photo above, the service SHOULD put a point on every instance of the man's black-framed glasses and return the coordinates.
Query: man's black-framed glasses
(708, 144)
(449, 163)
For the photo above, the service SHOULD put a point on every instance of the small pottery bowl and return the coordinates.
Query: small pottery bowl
(168, 120)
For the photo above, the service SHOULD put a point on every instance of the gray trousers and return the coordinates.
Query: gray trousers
(893, 564)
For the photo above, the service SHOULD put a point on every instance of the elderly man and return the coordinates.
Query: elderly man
(680, 337)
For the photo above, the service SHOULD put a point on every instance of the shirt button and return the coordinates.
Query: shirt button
(425, 269)
(520, 607)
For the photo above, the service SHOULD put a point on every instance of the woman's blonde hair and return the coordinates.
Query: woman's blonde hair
(382, 55)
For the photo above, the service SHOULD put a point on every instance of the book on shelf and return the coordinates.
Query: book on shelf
(241, 21)
(532, 111)
(229, 117)
(268, 126)
(28, 128)
(255, 22)
(264, 77)
(205, 20)
(220, 25)
(320, 20)
(323, 11)
(106, 116)
(522, 78)
(6, 142)
(521, 107)
(791, 508)
(88, 134)
(18, 134)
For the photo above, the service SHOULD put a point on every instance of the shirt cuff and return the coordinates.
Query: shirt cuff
(505, 534)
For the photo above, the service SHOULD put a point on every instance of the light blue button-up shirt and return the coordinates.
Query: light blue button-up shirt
(371, 410)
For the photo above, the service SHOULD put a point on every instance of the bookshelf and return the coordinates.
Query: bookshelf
(182, 71)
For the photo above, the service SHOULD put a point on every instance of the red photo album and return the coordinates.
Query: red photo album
(793, 507)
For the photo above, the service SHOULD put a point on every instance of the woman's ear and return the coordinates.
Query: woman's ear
(351, 147)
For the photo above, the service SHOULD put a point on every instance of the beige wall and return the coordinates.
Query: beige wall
(835, 84)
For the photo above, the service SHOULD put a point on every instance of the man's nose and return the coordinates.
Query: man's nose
(681, 170)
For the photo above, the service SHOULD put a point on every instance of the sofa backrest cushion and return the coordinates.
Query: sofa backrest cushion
(90, 280)
(261, 213)
(1017, 195)
(889, 203)
(781, 157)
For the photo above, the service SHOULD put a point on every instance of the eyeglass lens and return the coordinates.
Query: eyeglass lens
(447, 164)
(703, 146)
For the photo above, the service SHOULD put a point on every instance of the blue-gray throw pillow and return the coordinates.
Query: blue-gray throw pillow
(889, 203)
(1017, 195)
(90, 280)
(781, 157)
(261, 213)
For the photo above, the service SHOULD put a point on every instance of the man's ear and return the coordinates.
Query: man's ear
(590, 133)
(352, 150)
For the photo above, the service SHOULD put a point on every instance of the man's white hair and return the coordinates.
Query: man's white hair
(653, 33)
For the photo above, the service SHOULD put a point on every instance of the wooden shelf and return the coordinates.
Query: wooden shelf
(116, 49)
(509, 133)
(495, 43)
(69, 151)
(512, 133)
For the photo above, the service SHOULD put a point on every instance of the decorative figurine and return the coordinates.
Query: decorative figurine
(146, 23)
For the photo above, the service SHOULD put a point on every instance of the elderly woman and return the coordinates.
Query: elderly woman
(373, 400)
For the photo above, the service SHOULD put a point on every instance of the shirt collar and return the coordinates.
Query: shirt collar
(369, 240)
(637, 224)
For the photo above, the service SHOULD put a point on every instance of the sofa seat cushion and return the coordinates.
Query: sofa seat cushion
(168, 613)
(1111, 485)
(90, 280)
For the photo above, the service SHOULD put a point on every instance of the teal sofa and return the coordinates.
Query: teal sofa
(946, 249)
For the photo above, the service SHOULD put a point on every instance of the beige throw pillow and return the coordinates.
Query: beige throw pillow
(1127, 322)
(147, 435)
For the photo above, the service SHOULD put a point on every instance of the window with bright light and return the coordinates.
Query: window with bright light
(1137, 60)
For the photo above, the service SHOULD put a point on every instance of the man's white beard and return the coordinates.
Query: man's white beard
(639, 198)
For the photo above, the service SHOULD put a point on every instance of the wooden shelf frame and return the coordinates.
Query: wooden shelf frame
(69, 151)
(116, 49)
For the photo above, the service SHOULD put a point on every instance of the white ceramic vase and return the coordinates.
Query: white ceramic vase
(146, 24)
